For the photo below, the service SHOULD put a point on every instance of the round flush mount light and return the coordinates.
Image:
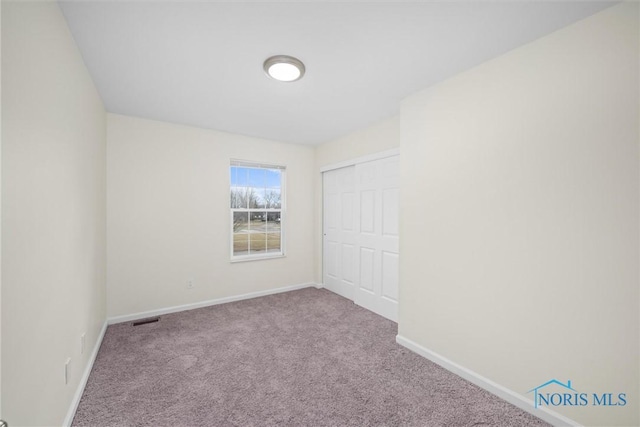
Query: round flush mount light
(284, 68)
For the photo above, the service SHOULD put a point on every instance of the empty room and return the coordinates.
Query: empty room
(320, 213)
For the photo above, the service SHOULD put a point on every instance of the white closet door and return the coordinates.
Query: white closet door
(377, 241)
(339, 231)
(361, 236)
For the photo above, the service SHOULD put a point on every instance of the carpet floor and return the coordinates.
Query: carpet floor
(301, 358)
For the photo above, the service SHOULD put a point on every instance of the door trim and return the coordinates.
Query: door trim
(362, 159)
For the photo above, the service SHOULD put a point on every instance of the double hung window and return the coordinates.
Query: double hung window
(257, 210)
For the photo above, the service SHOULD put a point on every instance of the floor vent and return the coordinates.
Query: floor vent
(145, 321)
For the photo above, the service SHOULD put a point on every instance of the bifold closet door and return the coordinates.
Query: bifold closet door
(339, 231)
(377, 240)
(361, 238)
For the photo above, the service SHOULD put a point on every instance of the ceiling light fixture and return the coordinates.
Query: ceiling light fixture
(284, 68)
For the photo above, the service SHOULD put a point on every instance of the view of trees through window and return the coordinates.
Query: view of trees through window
(256, 209)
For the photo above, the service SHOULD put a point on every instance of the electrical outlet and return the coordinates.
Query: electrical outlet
(190, 284)
(82, 341)
(66, 371)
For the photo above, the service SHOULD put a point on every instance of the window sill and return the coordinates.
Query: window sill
(256, 258)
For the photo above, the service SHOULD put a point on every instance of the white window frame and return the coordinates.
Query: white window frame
(282, 210)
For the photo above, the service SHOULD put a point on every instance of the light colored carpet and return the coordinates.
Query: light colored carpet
(302, 358)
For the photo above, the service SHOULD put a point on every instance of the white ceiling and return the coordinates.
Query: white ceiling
(200, 62)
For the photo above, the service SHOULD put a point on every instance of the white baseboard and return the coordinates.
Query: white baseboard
(504, 393)
(200, 304)
(85, 377)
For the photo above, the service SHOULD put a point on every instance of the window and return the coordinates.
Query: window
(257, 210)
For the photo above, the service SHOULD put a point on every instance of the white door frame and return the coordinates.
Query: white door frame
(363, 159)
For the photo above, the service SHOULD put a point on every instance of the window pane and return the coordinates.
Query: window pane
(256, 178)
(244, 198)
(272, 198)
(258, 220)
(257, 242)
(272, 178)
(260, 198)
(240, 222)
(273, 242)
(239, 176)
(251, 195)
(240, 244)
(273, 222)
(238, 198)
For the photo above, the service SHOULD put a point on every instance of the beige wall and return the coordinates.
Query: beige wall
(168, 215)
(519, 215)
(381, 136)
(53, 213)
